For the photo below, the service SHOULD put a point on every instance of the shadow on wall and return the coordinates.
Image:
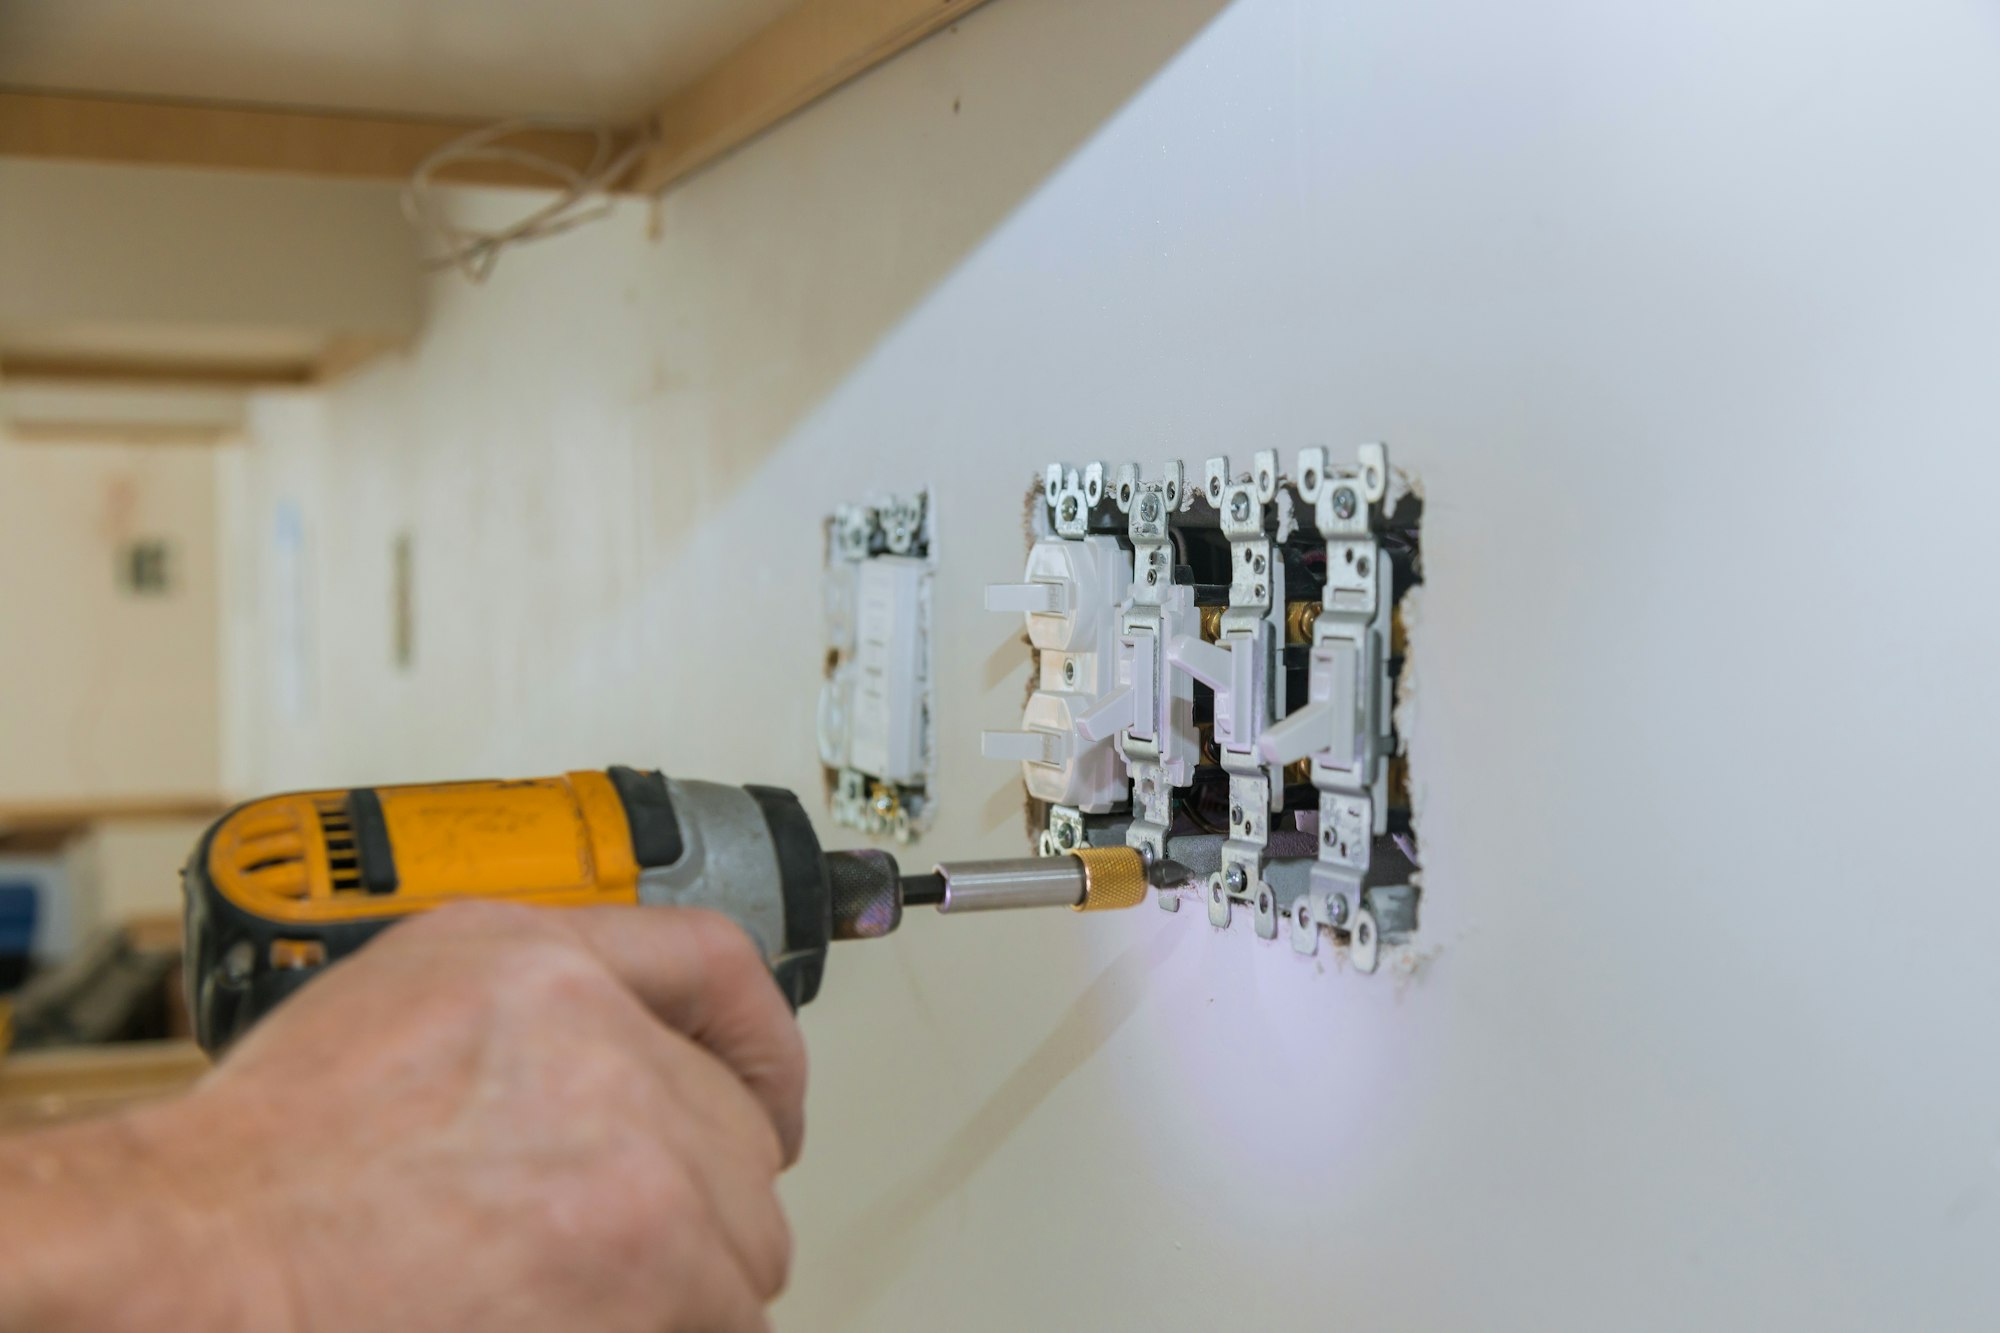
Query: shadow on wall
(877, 1245)
(932, 152)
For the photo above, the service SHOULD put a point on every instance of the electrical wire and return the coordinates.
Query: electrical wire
(584, 196)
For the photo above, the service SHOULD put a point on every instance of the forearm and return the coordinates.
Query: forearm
(109, 1224)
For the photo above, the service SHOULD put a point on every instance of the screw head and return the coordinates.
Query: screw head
(1239, 508)
(1235, 878)
(1069, 510)
(1152, 577)
(1336, 909)
(1345, 502)
(1149, 508)
(1236, 814)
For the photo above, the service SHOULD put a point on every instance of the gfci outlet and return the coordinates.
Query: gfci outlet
(875, 727)
(1217, 667)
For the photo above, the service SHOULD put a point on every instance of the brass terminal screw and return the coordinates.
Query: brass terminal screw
(1300, 617)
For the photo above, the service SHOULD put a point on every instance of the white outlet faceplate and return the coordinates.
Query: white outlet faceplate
(875, 728)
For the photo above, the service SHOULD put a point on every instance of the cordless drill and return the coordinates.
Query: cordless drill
(281, 888)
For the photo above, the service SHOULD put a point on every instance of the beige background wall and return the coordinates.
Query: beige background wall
(1685, 315)
(107, 694)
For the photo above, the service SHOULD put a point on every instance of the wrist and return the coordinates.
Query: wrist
(121, 1222)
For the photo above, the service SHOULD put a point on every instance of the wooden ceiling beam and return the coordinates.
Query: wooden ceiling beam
(230, 137)
(798, 59)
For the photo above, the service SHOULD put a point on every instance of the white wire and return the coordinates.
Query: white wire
(585, 196)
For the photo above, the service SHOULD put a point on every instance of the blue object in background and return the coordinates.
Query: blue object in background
(20, 911)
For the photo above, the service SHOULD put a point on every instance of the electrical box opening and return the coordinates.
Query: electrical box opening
(1217, 667)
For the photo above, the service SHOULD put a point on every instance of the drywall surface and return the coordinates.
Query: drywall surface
(1686, 316)
(107, 693)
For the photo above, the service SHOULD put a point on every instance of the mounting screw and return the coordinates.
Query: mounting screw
(1336, 909)
(1149, 508)
(1236, 814)
(1152, 577)
(1235, 878)
(1345, 502)
(1069, 510)
(1239, 508)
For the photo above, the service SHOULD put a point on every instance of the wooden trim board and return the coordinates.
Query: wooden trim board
(217, 374)
(230, 137)
(795, 61)
(51, 1086)
(33, 816)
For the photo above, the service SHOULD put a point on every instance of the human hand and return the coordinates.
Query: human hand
(499, 1118)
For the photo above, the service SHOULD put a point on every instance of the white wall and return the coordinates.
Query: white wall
(1686, 316)
(104, 694)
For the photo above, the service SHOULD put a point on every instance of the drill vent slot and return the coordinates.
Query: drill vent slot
(269, 856)
(343, 859)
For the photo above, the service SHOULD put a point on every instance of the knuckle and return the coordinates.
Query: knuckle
(728, 952)
(471, 917)
(661, 1205)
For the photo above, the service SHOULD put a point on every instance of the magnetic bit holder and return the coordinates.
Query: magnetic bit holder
(1090, 879)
